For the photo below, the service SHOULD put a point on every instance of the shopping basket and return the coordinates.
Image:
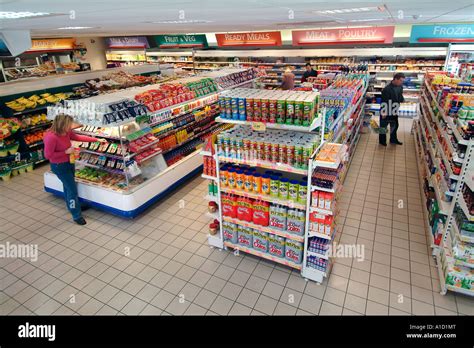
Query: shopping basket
(376, 128)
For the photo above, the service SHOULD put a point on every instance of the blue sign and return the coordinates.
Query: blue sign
(4, 51)
(445, 33)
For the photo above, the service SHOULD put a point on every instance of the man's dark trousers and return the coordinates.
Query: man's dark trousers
(384, 123)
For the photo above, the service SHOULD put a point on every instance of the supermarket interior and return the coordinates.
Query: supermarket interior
(231, 158)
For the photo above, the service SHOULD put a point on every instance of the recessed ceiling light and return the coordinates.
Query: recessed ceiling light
(74, 28)
(348, 10)
(182, 21)
(367, 20)
(17, 15)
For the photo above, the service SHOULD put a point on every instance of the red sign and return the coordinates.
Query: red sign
(381, 35)
(267, 38)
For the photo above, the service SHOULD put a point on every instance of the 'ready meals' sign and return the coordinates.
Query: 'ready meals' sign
(267, 38)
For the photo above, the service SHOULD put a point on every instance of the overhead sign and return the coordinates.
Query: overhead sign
(127, 42)
(14, 42)
(374, 35)
(462, 33)
(52, 45)
(267, 38)
(181, 41)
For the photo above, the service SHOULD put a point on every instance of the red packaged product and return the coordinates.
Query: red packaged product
(244, 209)
(229, 206)
(261, 213)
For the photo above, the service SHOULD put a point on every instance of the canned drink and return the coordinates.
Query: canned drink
(294, 251)
(276, 246)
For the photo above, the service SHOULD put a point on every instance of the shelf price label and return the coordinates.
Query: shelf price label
(259, 126)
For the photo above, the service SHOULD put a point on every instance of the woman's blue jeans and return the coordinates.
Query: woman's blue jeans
(65, 173)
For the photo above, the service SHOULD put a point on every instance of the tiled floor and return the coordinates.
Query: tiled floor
(160, 263)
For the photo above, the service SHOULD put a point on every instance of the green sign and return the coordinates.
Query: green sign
(181, 41)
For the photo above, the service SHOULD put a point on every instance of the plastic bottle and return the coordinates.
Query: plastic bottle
(274, 186)
(293, 189)
(266, 184)
(283, 190)
(257, 183)
(302, 192)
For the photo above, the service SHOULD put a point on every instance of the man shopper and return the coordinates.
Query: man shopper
(392, 97)
(310, 72)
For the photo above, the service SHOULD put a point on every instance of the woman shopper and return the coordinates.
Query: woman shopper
(58, 150)
(288, 81)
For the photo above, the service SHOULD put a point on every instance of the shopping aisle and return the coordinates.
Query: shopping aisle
(160, 263)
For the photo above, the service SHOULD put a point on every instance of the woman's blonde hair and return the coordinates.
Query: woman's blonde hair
(62, 124)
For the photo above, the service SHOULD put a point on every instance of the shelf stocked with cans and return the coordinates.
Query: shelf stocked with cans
(286, 110)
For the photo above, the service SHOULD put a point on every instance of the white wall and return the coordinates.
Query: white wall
(95, 55)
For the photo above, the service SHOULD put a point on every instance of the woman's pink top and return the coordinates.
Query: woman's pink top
(56, 145)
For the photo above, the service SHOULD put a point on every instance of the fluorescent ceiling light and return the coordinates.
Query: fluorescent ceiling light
(74, 28)
(348, 10)
(17, 15)
(182, 21)
(368, 20)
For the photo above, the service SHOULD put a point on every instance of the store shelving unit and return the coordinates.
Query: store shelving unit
(158, 172)
(354, 111)
(438, 141)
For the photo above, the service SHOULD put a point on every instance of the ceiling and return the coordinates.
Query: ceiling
(126, 17)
